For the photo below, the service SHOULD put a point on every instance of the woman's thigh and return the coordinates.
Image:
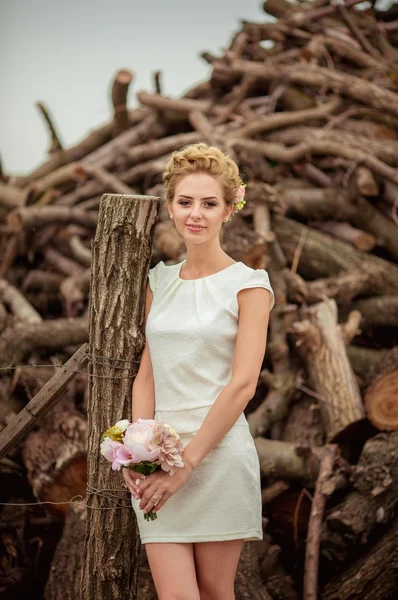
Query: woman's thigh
(173, 570)
(216, 564)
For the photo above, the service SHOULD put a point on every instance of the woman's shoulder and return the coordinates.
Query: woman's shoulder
(249, 277)
(155, 274)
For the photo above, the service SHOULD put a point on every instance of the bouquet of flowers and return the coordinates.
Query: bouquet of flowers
(143, 446)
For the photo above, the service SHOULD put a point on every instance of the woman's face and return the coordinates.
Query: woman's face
(199, 200)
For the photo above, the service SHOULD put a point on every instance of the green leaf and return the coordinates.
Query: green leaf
(145, 467)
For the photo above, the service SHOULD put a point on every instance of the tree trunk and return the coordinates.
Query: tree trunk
(63, 582)
(121, 254)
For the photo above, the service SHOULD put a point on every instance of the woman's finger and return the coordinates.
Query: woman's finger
(133, 475)
(146, 497)
(133, 480)
(161, 502)
(151, 498)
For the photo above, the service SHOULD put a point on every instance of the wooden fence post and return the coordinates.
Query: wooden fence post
(121, 254)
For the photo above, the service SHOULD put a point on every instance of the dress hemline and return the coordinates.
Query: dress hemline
(250, 535)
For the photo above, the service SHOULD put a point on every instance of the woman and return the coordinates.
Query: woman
(206, 339)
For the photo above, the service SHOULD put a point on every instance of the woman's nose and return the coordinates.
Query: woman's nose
(196, 212)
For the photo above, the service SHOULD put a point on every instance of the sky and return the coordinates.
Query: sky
(65, 53)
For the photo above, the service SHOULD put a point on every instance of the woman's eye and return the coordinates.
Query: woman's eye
(183, 202)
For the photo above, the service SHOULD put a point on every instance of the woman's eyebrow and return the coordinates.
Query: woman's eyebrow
(205, 198)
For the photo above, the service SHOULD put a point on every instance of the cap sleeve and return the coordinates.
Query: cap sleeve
(259, 278)
(155, 275)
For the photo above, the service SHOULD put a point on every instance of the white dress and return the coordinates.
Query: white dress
(191, 331)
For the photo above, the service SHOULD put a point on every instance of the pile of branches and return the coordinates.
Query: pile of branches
(308, 107)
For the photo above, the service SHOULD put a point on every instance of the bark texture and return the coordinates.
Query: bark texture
(121, 254)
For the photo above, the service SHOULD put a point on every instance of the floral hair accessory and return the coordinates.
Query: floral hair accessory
(239, 201)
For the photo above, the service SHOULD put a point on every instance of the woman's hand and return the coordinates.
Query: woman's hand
(130, 478)
(159, 486)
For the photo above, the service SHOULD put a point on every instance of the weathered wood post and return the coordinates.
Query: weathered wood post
(121, 254)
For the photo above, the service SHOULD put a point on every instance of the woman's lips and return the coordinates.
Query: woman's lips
(193, 228)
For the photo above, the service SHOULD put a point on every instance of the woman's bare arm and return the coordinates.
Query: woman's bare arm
(143, 393)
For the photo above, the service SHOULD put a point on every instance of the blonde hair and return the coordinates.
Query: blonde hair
(201, 158)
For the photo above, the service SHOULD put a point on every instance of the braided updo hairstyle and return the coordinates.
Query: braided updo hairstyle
(201, 158)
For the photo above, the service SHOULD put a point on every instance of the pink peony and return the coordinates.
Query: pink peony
(140, 432)
(109, 449)
(131, 452)
(170, 447)
(137, 444)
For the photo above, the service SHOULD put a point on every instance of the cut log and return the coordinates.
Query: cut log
(62, 176)
(279, 8)
(368, 218)
(382, 393)
(373, 576)
(108, 180)
(38, 280)
(320, 77)
(319, 44)
(283, 154)
(320, 343)
(284, 119)
(55, 457)
(363, 359)
(11, 197)
(317, 203)
(19, 341)
(35, 217)
(366, 183)
(62, 263)
(75, 289)
(379, 311)
(18, 304)
(345, 232)
(303, 424)
(319, 257)
(371, 504)
(80, 251)
(119, 93)
(288, 461)
(105, 156)
(150, 150)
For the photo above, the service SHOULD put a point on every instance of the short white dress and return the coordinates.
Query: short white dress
(191, 332)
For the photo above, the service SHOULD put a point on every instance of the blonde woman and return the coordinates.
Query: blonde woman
(206, 332)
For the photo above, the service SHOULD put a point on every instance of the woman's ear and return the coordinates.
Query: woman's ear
(228, 212)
